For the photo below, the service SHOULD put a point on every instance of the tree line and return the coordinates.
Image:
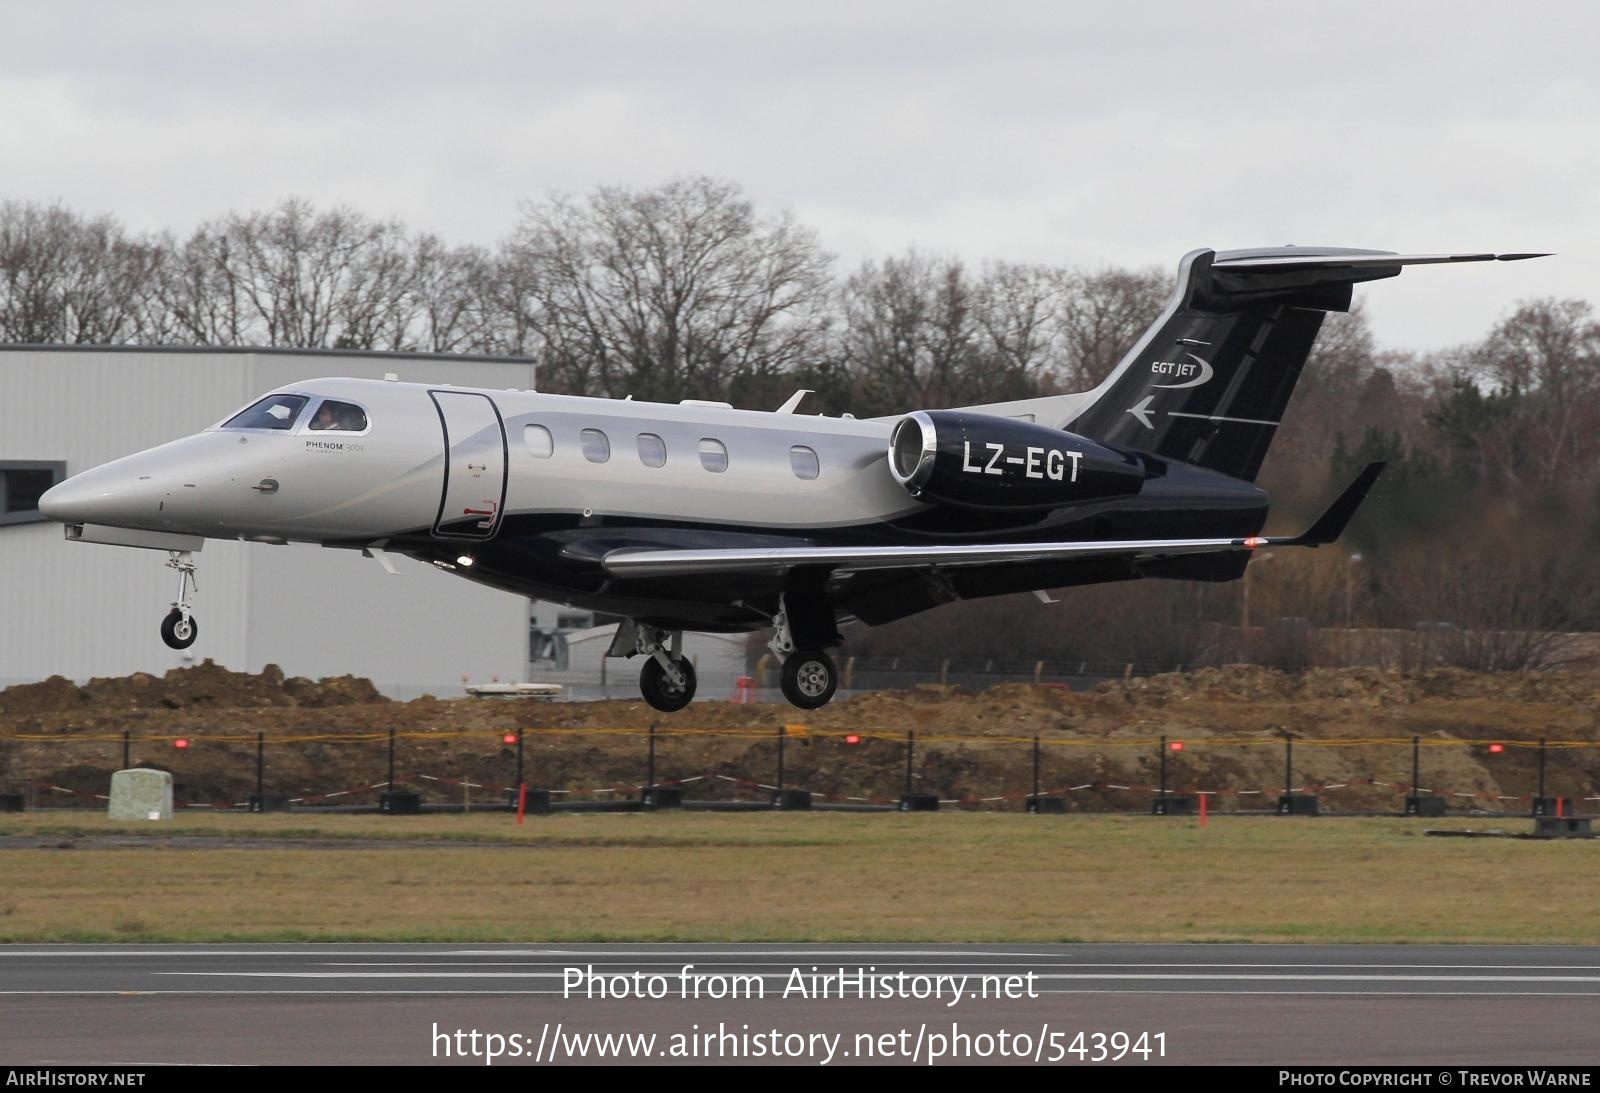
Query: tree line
(1483, 523)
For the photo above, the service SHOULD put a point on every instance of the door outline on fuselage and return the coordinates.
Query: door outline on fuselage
(468, 415)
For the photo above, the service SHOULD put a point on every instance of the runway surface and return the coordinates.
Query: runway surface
(537, 1004)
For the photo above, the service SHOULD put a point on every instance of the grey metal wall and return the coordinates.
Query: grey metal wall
(83, 610)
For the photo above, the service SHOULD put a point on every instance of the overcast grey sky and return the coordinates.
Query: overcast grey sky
(1053, 132)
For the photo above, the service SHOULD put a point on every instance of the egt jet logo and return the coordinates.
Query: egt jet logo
(1178, 368)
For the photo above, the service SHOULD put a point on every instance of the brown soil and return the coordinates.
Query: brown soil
(1352, 726)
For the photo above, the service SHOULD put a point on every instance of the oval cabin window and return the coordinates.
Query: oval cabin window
(596, 448)
(803, 461)
(652, 450)
(537, 439)
(713, 455)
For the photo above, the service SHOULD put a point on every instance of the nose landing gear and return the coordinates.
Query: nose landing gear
(179, 628)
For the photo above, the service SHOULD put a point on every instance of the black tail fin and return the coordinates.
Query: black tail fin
(1209, 382)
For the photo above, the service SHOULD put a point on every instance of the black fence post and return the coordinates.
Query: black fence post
(650, 766)
(127, 750)
(910, 801)
(1163, 768)
(783, 734)
(261, 767)
(1036, 767)
(1288, 764)
(389, 784)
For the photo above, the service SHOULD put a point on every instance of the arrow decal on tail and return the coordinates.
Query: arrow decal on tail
(1141, 412)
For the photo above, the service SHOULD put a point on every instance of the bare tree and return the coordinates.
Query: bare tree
(1546, 356)
(677, 291)
(1102, 315)
(921, 331)
(293, 277)
(66, 278)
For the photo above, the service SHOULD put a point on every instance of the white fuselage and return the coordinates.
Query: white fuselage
(660, 462)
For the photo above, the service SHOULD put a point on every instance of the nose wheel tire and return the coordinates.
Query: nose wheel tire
(179, 630)
(809, 679)
(660, 691)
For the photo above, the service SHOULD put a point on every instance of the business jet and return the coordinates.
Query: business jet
(699, 516)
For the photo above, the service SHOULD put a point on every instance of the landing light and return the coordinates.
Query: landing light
(465, 559)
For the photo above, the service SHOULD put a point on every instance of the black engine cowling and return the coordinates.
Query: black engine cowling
(981, 462)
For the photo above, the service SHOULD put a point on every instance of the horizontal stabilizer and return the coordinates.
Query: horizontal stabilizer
(1278, 261)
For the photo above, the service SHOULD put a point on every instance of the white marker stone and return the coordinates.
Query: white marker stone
(141, 794)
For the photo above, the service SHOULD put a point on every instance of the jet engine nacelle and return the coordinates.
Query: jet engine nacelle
(978, 461)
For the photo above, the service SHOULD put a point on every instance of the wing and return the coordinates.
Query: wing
(633, 562)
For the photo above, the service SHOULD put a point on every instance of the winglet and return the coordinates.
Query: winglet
(1331, 524)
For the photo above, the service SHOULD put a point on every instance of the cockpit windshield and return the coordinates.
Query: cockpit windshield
(272, 412)
(343, 417)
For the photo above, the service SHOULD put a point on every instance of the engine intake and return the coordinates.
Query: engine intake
(978, 461)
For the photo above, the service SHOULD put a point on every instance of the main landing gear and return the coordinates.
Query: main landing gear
(809, 677)
(179, 628)
(801, 630)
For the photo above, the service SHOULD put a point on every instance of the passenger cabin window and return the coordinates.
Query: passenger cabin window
(596, 448)
(713, 455)
(272, 412)
(538, 441)
(339, 417)
(803, 461)
(652, 450)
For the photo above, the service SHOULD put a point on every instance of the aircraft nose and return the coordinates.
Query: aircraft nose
(65, 501)
(104, 495)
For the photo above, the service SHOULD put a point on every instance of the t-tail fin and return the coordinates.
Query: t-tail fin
(1209, 382)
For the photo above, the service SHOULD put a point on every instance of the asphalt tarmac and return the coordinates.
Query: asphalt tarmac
(537, 1004)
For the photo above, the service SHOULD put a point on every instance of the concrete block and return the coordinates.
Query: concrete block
(141, 794)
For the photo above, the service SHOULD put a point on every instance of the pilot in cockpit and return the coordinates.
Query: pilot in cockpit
(325, 417)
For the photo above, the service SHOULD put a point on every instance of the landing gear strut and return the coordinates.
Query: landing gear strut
(179, 628)
(667, 679)
(809, 676)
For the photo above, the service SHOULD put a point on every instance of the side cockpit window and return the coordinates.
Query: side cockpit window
(272, 412)
(339, 417)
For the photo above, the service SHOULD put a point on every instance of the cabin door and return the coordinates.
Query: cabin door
(475, 460)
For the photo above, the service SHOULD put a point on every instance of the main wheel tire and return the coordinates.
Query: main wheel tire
(179, 631)
(661, 692)
(809, 679)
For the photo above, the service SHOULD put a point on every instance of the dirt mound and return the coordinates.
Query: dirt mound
(206, 685)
